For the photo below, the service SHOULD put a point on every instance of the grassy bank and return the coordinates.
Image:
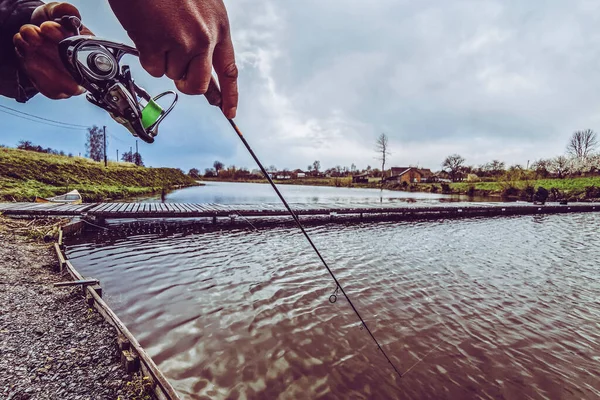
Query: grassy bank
(26, 174)
(573, 189)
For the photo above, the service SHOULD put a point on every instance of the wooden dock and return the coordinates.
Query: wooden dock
(214, 211)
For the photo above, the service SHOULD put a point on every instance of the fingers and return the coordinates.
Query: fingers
(58, 10)
(198, 75)
(154, 62)
(224, 63)
(176, 65)
(36, 47)
(213, 94)
(31, 34)
(54, 31)
(54, 10)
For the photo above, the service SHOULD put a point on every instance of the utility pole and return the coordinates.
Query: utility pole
(137, 155)
(117, 155)
(105, 156)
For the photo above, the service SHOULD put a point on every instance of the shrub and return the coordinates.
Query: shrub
(509, 191)
(528, 192)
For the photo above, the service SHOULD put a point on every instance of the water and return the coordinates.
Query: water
(252, 193)
(513, 303)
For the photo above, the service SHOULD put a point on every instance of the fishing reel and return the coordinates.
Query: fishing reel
(94, 64)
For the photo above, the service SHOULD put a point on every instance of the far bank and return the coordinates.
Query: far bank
(571, 189)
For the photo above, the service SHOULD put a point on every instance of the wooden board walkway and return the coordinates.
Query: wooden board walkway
(211, 210)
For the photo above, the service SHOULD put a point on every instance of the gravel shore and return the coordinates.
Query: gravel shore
(52, 346)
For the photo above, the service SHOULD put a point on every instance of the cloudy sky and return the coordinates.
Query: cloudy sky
(496, 79)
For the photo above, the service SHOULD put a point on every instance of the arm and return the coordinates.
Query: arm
(14, 82)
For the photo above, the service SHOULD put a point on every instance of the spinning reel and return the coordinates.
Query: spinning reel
(94, 64)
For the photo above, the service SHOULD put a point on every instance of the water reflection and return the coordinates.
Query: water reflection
(252, 193)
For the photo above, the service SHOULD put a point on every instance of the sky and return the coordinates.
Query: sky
(321, 80)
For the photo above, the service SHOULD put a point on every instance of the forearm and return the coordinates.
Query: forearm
(14, 82)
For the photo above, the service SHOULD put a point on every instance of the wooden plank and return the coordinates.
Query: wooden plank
(194, 208)
(78, 282)
(188, 207)
(111, 208)
(99, 208)
(203, 208)
(61, 258)
(148, 366)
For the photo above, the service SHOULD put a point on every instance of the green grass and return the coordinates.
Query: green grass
(572, 186)
(26, 174)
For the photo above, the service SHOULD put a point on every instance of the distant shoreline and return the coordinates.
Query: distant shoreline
(570, 189)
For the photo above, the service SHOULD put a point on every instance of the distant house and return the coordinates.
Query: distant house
(283, 175)
(410, 175)
(362, 178)
(301, 175)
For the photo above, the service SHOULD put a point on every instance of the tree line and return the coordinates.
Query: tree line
(580, 158)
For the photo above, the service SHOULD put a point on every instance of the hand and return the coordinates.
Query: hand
(36, 45)
(184, 39)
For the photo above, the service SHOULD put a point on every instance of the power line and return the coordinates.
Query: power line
(42, 122)
(44, 119)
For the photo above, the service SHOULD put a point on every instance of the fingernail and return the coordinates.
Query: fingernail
(231, 112)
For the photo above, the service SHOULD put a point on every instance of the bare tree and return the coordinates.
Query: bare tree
(454, 165)
(382, 148)
(316, 166)
(560, 166)
(582, 143)
(94, 145)
(218, 165)
(542, 167)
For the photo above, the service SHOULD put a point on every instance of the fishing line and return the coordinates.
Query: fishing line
(297, 220)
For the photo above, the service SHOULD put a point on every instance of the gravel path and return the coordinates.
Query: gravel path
(51, 345)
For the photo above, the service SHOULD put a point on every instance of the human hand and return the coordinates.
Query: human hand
(184, 39)
(36, 45)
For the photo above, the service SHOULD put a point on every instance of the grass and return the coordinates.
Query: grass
(572, 186)
(26, 174)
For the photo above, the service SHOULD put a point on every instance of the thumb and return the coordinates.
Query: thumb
(52, 11)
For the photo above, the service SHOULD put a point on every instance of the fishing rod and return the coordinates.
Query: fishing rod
(306, 235)
(95, 64)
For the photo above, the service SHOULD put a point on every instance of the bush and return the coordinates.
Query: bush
(541, 195)
(471, 191)
(446, 188)
(434, 189)
(528, 192)
(592, 192)
(509, 191)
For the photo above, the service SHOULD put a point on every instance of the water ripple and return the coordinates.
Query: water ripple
(513, 304)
